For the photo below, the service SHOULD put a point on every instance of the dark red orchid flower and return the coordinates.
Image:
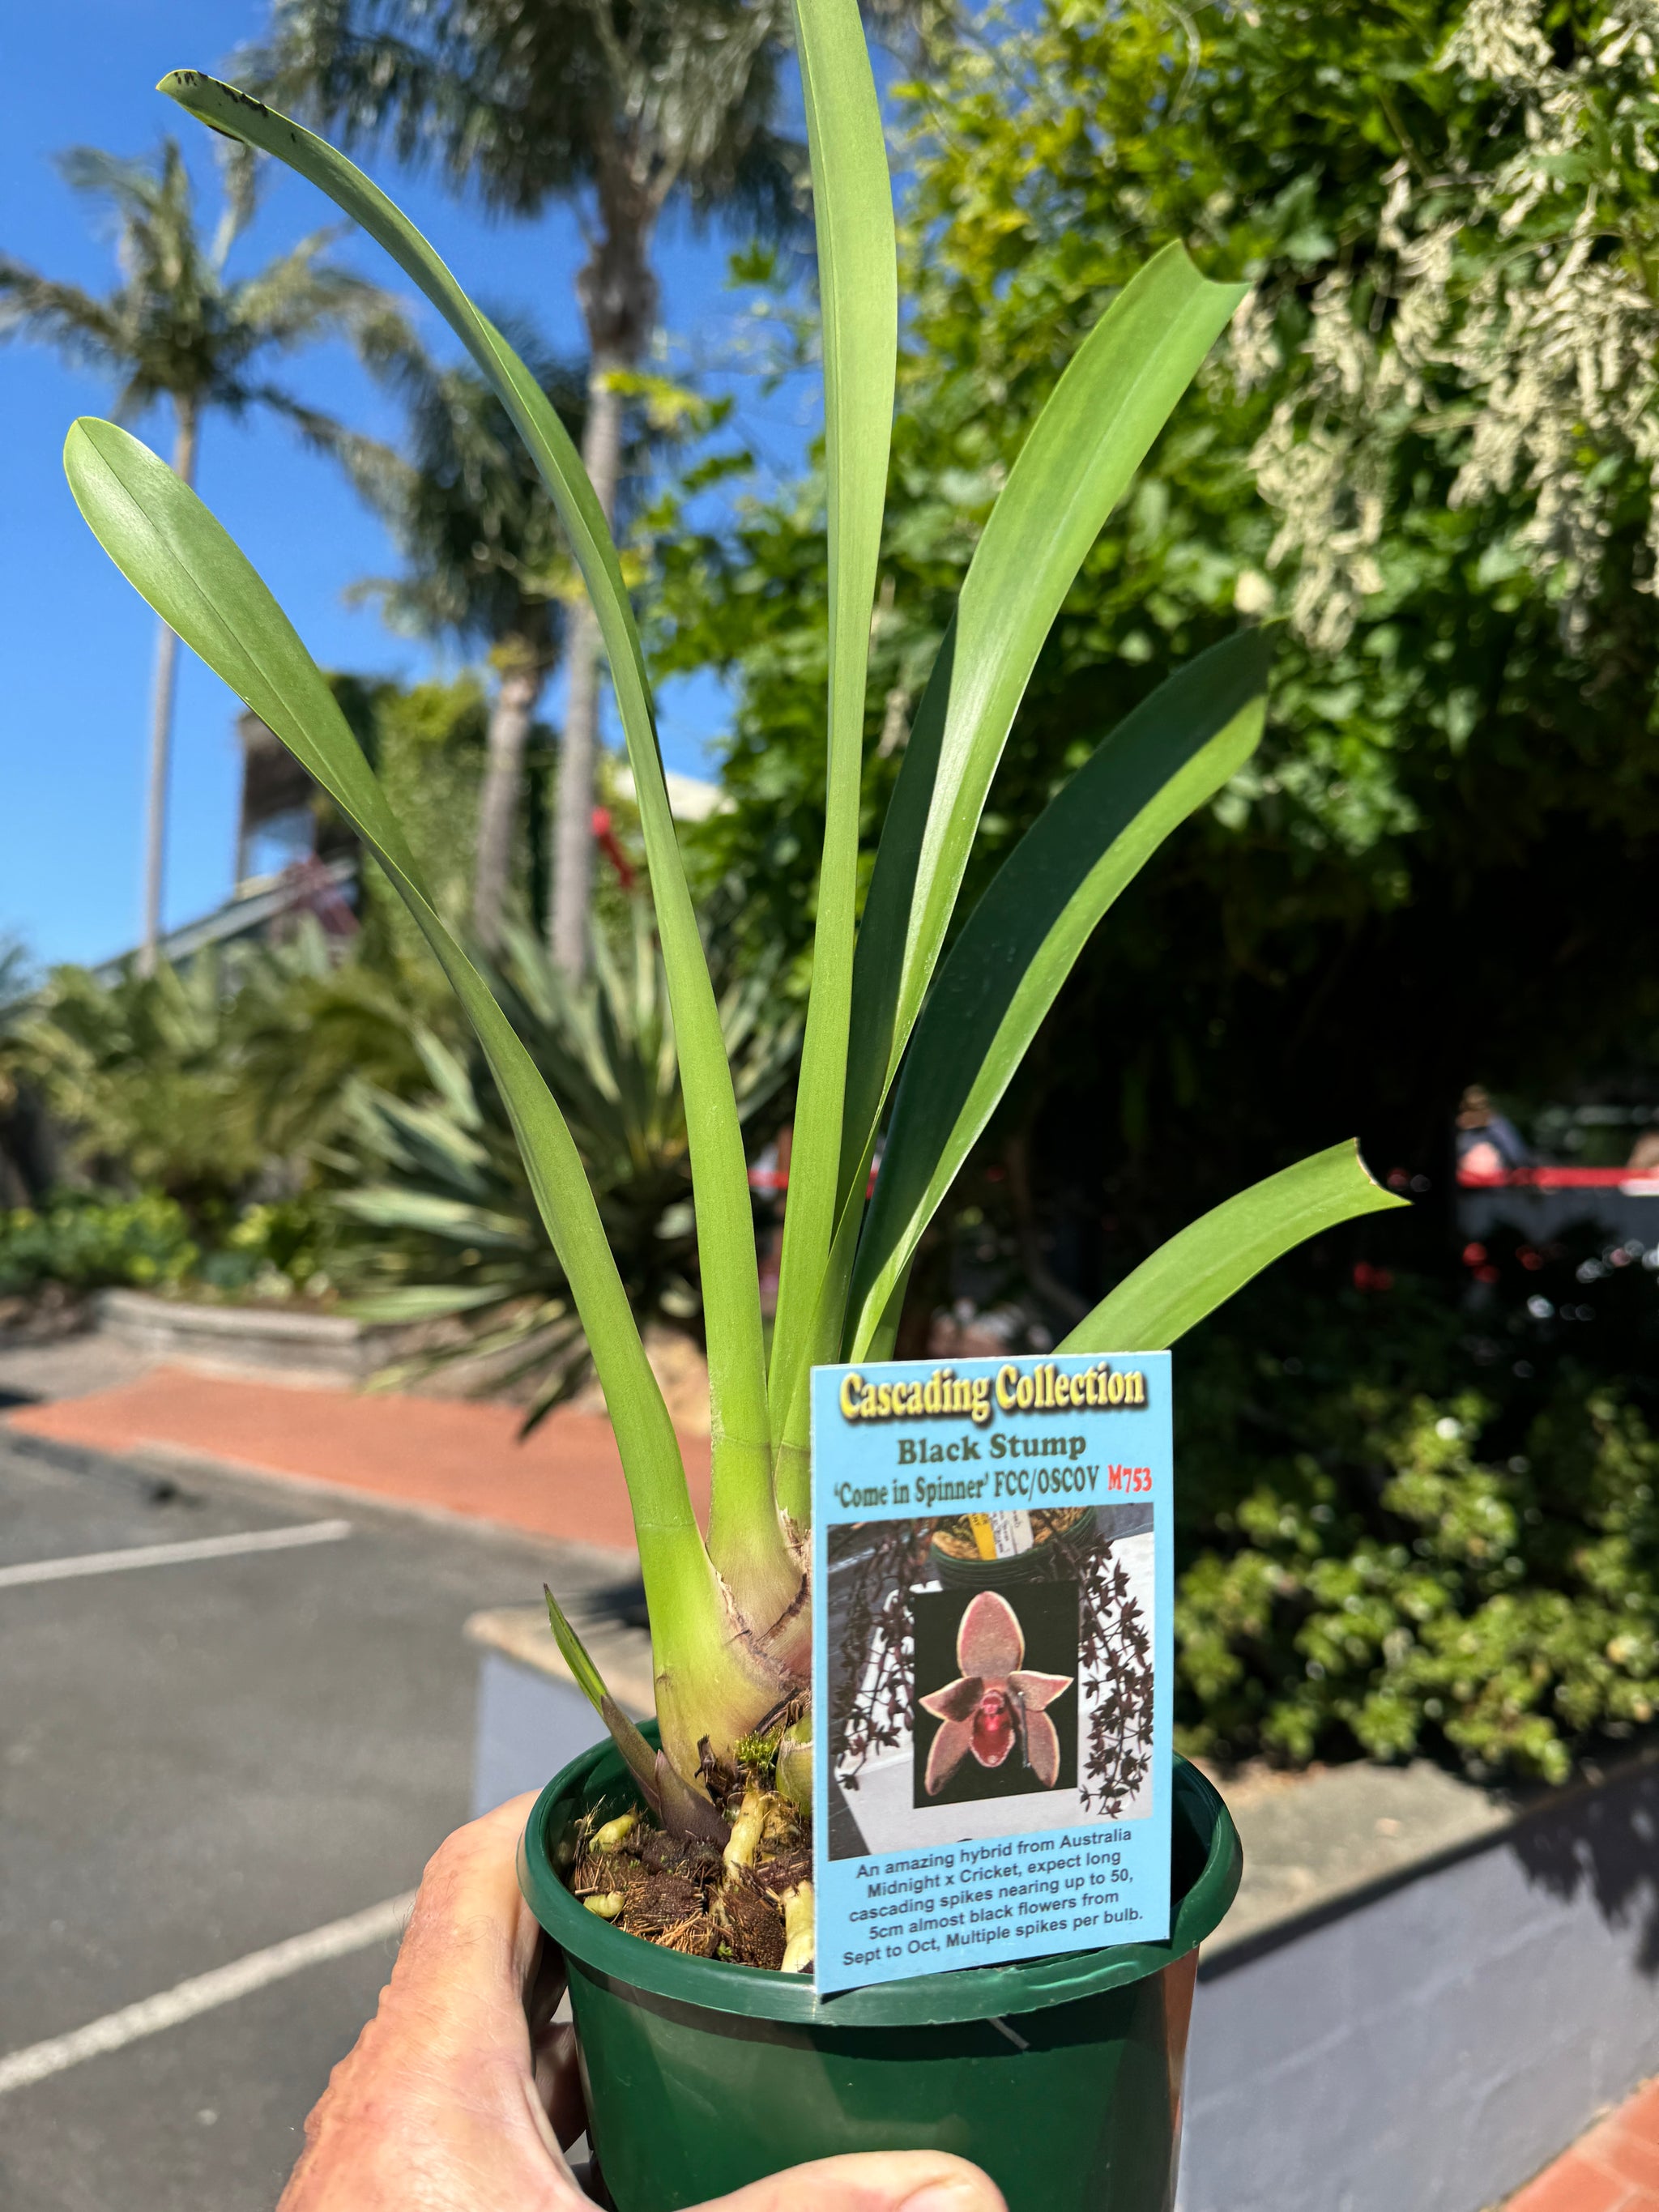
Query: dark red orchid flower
(996, 1704)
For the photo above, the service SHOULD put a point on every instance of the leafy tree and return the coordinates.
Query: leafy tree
(485, 563)
(620, 110)
(1424, 877)
(179, 327)
(24, 1150)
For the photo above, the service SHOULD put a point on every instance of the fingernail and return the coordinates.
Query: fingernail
(950, 2196)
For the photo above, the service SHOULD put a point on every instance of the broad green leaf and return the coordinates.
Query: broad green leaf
(858, 287)
(1170, 755)
(726, 1238)
(1076, 463)
(1201, 1268)
(793, 1459)
(175, 552)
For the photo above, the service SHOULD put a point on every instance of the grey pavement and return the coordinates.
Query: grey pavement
(67, 1366)
(197, 1761)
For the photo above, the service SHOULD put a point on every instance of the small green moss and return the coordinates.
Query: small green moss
(758, 1754)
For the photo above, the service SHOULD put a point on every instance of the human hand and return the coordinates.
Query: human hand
(460, 2091)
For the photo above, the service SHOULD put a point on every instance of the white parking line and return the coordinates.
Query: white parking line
(168, 1555)
(203, 1992)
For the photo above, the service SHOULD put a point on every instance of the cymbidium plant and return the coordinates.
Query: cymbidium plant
(903, 1040)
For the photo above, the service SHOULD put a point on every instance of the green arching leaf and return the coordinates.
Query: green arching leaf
(822, 1345)
(236, 115)
(574, 1652)
(1074, 466)
(726, 1240)
(176, 554)
(1169, 756)
(1199, 1268)
(858, 287)
(637, 1754)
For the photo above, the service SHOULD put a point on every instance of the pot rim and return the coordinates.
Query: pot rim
(968, 1993)
(1016, 1571)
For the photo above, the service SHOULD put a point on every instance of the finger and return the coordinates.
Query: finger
(559, 2084)
(471, 1942)
(553, 2046)
(545, 1993)
(876, 2181)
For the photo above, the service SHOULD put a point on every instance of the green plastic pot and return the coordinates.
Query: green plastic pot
(1061, 2077)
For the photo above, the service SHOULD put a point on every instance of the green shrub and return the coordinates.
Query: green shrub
(87, 1240)
(270, 1250)
(1416, 1522)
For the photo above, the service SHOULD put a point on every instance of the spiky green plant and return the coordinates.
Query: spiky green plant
(897, 1039)
(438, 1181)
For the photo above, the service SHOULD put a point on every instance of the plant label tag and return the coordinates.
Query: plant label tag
(991, 1661)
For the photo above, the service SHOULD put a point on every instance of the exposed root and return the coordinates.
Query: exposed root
(799, 1929)
(746, 1831)
(751, 1903)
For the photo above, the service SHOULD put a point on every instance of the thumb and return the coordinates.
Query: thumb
(872, 2181)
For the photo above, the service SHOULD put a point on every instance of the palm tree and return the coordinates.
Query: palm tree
(618, 107)
(178, 328)
(485, 563)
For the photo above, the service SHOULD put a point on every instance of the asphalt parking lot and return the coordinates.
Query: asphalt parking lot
(201, 1758)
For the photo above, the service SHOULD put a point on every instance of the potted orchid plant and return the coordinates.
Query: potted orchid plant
(1060, 2075)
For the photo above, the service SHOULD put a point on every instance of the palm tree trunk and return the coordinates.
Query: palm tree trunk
(516, 696)
(163, 692)
(572, 827)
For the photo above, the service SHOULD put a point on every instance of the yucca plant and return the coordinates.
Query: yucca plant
(899, 1043)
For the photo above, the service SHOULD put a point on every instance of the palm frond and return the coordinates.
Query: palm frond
(82, 329)
(175, 327)
(368, 463)
(516, 105)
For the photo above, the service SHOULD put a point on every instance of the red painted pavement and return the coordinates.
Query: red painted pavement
(564, 1480)
(1613, 2168)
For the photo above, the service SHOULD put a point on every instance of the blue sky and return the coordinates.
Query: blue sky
(77, 643)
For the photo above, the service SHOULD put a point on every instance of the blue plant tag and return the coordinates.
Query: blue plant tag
(993, 1588)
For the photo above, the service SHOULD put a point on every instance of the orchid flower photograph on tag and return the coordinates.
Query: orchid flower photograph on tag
(997, 1705)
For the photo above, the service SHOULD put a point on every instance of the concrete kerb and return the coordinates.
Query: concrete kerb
(320, 1350)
